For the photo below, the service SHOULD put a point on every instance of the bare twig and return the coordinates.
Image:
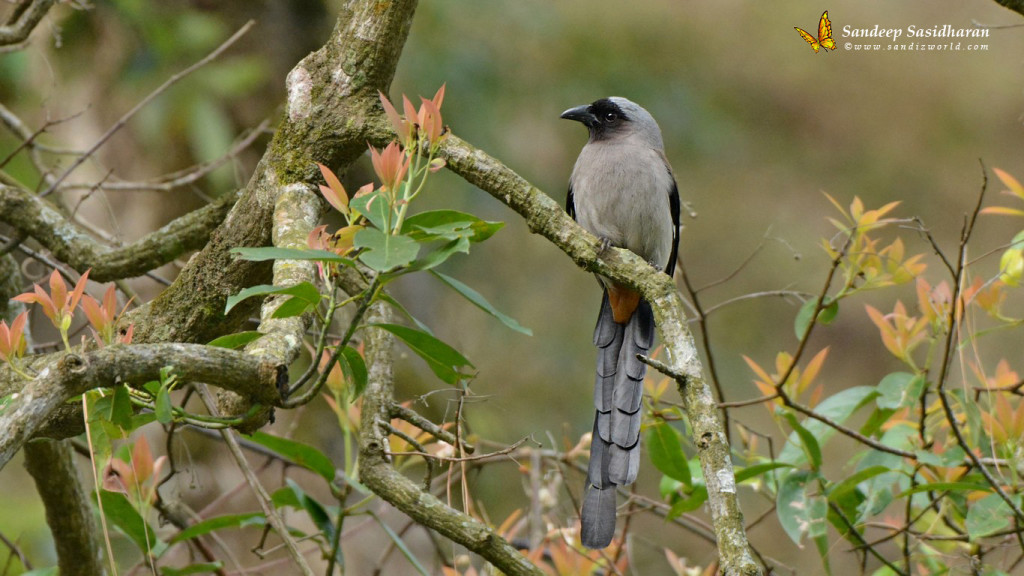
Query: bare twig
(412, 417)
(429, 456)
(266, 504)
(142, 104)
(948, 353)
(23, 21)
(180, 178)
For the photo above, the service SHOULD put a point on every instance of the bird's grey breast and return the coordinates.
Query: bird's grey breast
(621, 192)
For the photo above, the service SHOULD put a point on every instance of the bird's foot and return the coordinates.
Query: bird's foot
(604, 245)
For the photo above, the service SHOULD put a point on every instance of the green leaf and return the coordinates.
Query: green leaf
(839, 491)
(807, 440)
(303, 290)
(121, 513)
(818, 530)
(743, 474)
(50, 571)
(384, 252)
(803, 317)
(666, 451)
(793, 507)
(236, 340)
(442, 358)
(418, 226)
(204, 568)
(875, 422)
(837, 408)
(291, 308)
(899, 389)
(878, 491)
(114, 407)
(101, 441)
(219, 523)
(989, 515)
(162, 406)
(401, 545)
(695, 500)
(440, 255)
(355, 371)
(317, 513)
(264, 253)
(480, 302)
(375, 208)
(302, 454)
(398, 306)
(946, 487)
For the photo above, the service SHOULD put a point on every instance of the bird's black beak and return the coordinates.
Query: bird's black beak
(581, 114)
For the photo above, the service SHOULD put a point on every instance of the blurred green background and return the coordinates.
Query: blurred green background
(757, 126)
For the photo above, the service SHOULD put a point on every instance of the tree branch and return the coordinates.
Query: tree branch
(326, 120)
(376, 472)
(36, 217)
(546, 217)
(74, 373)
(1015, 5)
(24, 20)
(297, 212)
(68, 510)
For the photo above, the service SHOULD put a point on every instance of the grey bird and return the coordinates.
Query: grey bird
(623, 191)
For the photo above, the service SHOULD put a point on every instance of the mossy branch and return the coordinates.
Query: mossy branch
(377, 473)
(74, 373)
(32, 215)
(68, 509)
(546, 217)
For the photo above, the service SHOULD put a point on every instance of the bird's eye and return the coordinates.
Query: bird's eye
(610, 117)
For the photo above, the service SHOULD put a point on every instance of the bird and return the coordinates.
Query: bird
(622, 190)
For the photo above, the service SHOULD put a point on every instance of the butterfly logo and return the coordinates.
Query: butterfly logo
(824, 38)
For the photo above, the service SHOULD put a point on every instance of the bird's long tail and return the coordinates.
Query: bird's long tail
(618, 390)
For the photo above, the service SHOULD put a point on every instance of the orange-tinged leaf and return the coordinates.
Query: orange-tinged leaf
(1010, 182)
(430, 120)
(1002, 210)
(857, 210)
(110, 302)
(142, 460)
(39, 296)
(838, 207)
(887, 331)
(334, 192)
(438, 98)
(58, 290)
(782, 362)
(118, 476)
(401, 126)
(887, 208)
(812, 369)
(12, 340)
(76, 294)
(757, 369)
(410, 110)
(94, 313)
(816, 395)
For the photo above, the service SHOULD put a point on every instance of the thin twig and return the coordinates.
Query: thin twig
(180, 178)
(947, 356)
(266, 503)
(503, 452)
(142, 104)
(705, 334)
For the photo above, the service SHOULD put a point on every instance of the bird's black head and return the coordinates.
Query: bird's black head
(602, 118)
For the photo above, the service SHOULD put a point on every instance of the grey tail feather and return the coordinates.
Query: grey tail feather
(618, 394)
